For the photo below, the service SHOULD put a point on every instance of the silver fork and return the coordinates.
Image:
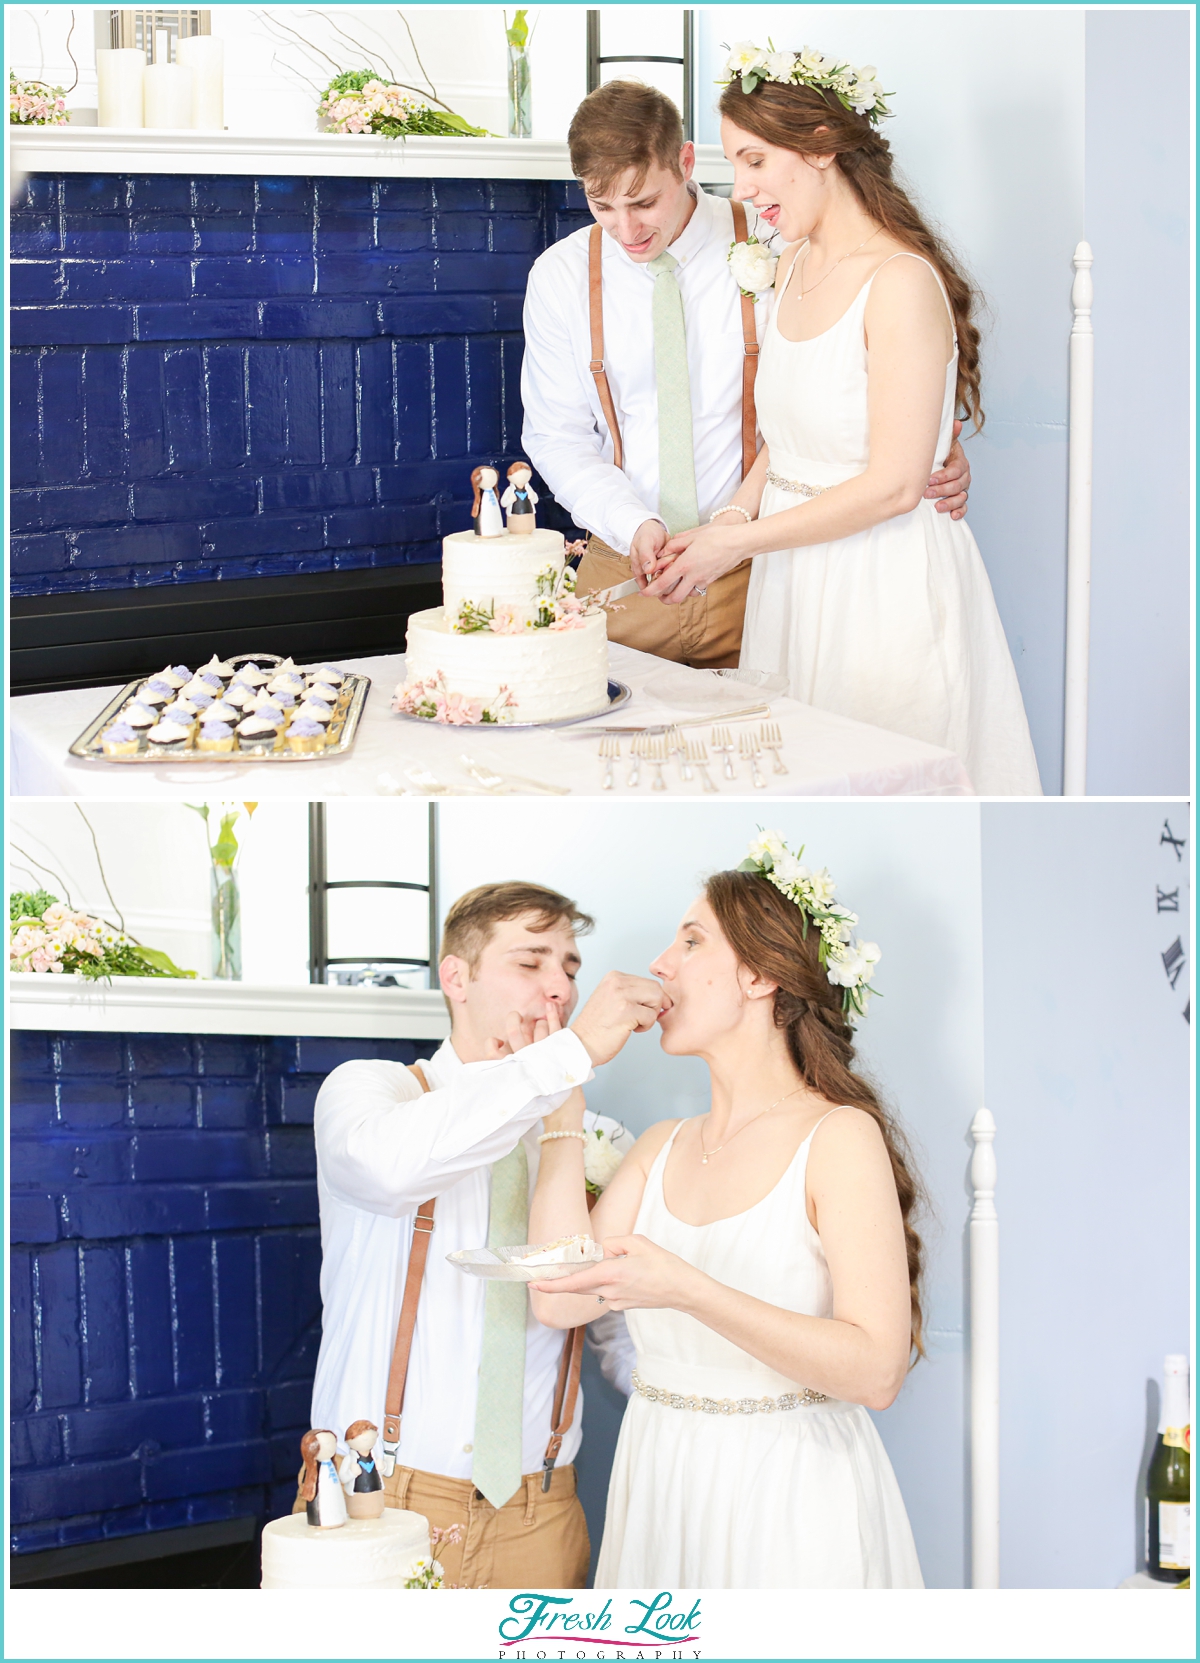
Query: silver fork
(698, 753)
(657, 753)
(748, 747)
(426, 782)
(677, 747)
(637, 751)
(722, 740)
(610, 752)
(772, 740)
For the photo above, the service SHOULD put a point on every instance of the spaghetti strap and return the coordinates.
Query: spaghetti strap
(907, 254)
(824, 1118)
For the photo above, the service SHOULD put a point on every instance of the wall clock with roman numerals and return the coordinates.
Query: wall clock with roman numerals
(1171, 904)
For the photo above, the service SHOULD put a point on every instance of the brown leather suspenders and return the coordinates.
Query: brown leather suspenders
(566, 1391)
(596, 317)
(596, 366)
(749, 357)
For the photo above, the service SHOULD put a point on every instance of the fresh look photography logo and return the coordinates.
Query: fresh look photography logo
(559, 1626)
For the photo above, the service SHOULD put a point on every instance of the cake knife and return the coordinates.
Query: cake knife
(617, 592)
(586, 731)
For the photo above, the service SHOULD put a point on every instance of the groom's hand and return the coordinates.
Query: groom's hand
(647, 545)
(620, 1006)
(949, 486)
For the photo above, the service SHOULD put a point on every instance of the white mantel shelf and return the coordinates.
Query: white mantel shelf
(150, 1005)
(340, 155)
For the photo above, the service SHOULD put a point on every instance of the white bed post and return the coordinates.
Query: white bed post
(985, 1359)
(1079, 527)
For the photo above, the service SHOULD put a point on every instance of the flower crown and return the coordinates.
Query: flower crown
(855, 89)
(849, 964)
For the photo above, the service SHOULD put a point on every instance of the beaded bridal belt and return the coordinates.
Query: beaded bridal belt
(726, 1405)
(794, 486)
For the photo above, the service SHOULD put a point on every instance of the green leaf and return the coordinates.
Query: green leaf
(159, 962)
(518, 34)
(26, 906)
(198, 808)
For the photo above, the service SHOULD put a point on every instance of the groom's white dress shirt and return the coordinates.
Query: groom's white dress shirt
(565, 435)
(383, 1148)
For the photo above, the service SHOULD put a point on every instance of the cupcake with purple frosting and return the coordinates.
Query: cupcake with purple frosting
(215, 736)
(119, 740)
(305, 734)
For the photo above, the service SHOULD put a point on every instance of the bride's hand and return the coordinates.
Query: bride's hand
(697, 558)
(636, 1274)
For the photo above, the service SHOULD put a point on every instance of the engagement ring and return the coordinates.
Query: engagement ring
(599, 1299)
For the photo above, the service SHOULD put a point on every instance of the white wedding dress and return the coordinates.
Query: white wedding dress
(896, 625)
(797, 1498)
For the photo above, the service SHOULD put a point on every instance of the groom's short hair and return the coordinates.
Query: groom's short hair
(472, 919)
(624, 125)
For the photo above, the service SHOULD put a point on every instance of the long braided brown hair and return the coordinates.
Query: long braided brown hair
(789, 116)
(766, 931)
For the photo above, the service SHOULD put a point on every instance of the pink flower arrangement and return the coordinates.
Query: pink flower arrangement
(433, 701)
(35, 104)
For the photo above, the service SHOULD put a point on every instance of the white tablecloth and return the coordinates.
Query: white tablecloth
(825, 755)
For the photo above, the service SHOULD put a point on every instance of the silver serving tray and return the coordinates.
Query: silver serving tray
(618, 694)
(340, 734)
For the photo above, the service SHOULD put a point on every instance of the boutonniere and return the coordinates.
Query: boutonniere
(753, 267)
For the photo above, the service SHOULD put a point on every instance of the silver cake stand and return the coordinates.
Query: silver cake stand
(618, 694)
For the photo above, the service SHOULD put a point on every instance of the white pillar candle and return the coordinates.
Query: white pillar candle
(168, 95)
(204, 55)
(120, 73)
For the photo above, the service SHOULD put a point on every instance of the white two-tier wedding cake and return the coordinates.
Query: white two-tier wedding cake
(511, 641)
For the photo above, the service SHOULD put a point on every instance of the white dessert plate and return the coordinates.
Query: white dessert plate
(711, 691)
(497, 1266)
(618, 694)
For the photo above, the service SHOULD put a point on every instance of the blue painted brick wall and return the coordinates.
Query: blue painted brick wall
(236, 377)
(165, 1258)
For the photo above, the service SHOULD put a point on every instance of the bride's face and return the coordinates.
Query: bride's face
(706, 987)
(786, 189)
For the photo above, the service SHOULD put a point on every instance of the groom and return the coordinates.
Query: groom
(483, 1375)
(669, 354)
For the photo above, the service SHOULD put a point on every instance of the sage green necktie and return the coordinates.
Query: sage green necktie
(500, 1409)
(676, 458)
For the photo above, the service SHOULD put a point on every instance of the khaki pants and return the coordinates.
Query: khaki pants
(704, 631)
(535, 1540)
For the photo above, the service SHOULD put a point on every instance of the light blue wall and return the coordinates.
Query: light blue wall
(1087, 1076)
(1000, 116)
(911, 871)
(1138, 221)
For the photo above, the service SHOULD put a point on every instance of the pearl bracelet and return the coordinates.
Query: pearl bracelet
(546, 1137)
(732, 508)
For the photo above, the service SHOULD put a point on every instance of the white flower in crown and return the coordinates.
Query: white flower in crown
(848, 963)
(779, 66)
(753, 267)
(744, 57)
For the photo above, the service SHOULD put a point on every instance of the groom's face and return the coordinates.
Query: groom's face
(520, 969)
(645, 215)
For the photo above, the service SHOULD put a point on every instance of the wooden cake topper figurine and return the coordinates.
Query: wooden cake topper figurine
(360, 1472)
(485, 510)
(520, 498)
(321, 1488)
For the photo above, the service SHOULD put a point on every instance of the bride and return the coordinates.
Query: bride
(871, 603)
(765, 1255)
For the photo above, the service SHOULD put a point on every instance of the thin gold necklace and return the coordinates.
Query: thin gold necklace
(834, 266)
(707, 1155)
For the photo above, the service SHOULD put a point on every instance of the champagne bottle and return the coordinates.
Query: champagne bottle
(1169, 1481)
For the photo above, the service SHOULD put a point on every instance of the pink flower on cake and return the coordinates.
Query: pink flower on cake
(507, 622)
(572, 620)
(461, 712)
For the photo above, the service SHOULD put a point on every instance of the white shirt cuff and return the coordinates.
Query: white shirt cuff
(622, 529)
(557, 1063)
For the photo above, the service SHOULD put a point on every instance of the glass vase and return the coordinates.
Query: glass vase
(520, 108)
(227, 925)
